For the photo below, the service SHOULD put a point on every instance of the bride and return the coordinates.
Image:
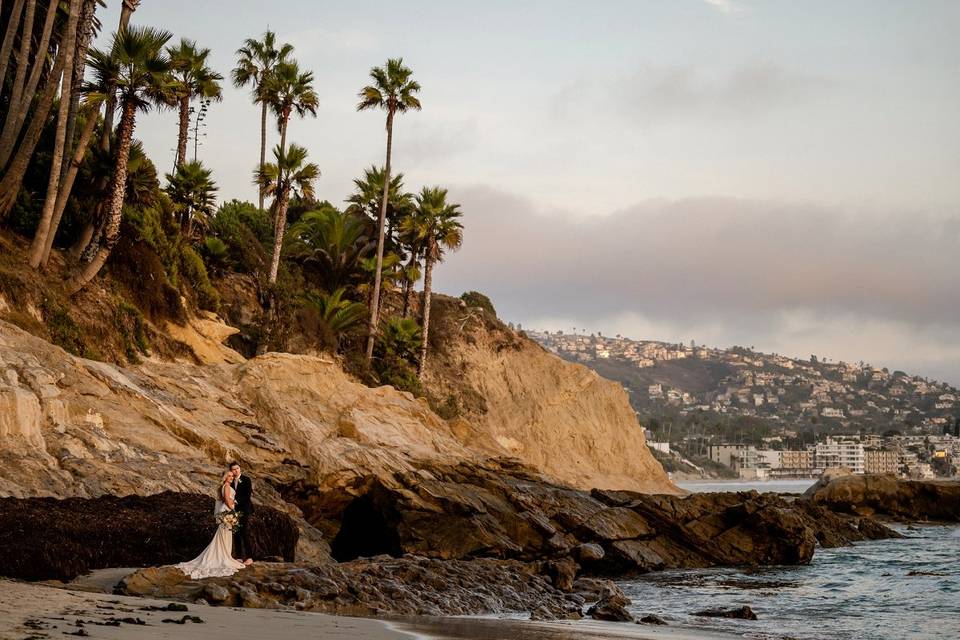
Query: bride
(217, 560)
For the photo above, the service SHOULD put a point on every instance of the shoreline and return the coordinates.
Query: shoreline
(43, 610)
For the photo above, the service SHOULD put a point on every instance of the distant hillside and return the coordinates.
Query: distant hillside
(744, 394)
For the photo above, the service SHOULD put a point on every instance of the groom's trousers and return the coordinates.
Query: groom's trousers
(241, 538)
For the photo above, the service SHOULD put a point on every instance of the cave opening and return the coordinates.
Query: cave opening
(364, 532)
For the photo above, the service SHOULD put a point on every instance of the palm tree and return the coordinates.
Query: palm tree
(333, 243)
(369, 193)
(140, 72)
(336, 316)
(194, 79)
(256, 60)
(392, 90)
(291, 174)
(289, 90)
(193, 193)
(437, 227)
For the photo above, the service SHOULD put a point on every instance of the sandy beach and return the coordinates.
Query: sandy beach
(42, 611)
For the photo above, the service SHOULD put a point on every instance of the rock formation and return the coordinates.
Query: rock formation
(889, 496)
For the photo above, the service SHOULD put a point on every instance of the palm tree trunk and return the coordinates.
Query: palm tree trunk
(263, 143)
(53, 184)
(13, 179)
(6, 49)
(84, 35)
(184, 130)
(375, 302)
(23, 60)
(283, 132)
(86, 273)
(407, 283)
(427, 284)
(279, 225)
(83, 241)
(66, 185)
(17, 114)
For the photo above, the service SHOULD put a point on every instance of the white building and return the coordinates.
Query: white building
(839, 453)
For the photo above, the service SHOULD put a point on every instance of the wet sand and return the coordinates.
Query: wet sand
(34, 611)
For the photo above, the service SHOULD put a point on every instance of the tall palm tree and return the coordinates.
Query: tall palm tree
(290, 175)
(140, 72)
(193, 79)
(436, 224)
(256, 60)
(393, 90)
(193, 193)
(290, 90)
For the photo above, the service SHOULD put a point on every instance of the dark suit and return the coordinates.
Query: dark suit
(244, 504)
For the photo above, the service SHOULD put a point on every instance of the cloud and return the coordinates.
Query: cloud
(781, 276)
(725, 6)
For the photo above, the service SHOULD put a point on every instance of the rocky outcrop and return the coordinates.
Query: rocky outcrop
(372, 586)
(46, 538)
(889, 496)
(471, 510)
(560, 418)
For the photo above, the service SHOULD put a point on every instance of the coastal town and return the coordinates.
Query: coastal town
(758, 415)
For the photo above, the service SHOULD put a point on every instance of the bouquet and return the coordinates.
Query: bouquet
(229, 519)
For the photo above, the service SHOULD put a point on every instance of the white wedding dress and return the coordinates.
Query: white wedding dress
(216, 561)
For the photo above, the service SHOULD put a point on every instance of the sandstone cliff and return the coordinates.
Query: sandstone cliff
(559, 417)
(76, 427)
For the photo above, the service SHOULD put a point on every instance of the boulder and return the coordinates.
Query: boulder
(740, 613)
(611, 606)
(588, 552)
(652, 619)
(889, 496)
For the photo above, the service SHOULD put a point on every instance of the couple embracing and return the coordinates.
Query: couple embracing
(232, 511)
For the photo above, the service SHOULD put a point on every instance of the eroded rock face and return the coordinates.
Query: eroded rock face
(886, 495)
(471, 510)
(47, 538)
(372, 586)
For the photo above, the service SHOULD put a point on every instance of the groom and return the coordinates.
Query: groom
(244, 504)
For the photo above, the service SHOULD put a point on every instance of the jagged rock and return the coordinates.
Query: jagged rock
(611, 606)
(887, 495)
(588, 552)
(652, 619)
(740, 613)
(44, 538)
(403, 586)
(562, 572)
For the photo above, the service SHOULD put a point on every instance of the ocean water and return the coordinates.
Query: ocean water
(883, 589)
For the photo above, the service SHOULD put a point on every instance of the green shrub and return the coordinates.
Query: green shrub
(195, 273)
(64, 331)
(477, 299)
(247, 233)
(133, 331)
(397, 352)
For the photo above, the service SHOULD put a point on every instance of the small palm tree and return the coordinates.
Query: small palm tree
(290, 90)
(256, 60)
(369, 193)
(393, 90)
(192, 79)
(138, 73)
(290, 175)
(194, 195)
(333, 244)
(337, 316)
(436, 224)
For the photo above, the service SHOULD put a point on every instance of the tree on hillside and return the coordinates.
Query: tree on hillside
(291, 174)
(192, 79)
(256, 60)
(193, 193)
(393, 90)
(437, 225)
(331, 244)
(290, 90)
(336, 316)
(140, 71)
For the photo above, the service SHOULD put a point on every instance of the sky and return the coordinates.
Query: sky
(766, 173)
